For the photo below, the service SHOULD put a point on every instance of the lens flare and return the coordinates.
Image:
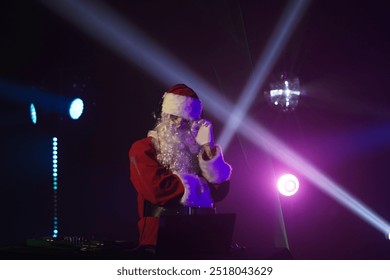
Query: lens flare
(116, 33)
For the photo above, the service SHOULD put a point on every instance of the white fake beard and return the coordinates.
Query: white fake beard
(177, 149)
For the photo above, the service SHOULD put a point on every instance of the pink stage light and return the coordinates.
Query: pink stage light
(288, 185)
(106, 26)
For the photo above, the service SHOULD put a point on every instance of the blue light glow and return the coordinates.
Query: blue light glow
(280, 36)
(76, 108)
(265, 140)
(33, 114)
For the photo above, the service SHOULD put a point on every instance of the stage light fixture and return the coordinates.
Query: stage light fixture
(288, 185)
(284, 94)
(76, 108)
(55, 186)
(283, 31)
(33, 113)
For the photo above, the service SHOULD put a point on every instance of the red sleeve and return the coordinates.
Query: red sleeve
(154, 182)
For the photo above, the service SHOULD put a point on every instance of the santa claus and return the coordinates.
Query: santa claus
(177, 168)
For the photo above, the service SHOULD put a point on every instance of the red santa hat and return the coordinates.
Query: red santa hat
(182, 101)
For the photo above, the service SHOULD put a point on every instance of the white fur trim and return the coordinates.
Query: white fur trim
(196, 191)
(182, 106)
(215, 170)
(152, 133)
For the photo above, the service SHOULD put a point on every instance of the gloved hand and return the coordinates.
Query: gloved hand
(204, 134)
(196, 191)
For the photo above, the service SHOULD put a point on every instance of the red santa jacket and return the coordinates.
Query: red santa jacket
(158, 185)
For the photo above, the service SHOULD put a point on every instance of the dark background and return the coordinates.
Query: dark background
(339, 50)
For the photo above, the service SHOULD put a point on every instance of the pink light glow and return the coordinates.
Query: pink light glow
(288, 185)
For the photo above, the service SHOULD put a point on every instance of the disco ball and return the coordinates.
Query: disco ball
(284, 94)
(288, 184)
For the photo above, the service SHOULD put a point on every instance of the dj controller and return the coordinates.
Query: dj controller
(71, 247)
